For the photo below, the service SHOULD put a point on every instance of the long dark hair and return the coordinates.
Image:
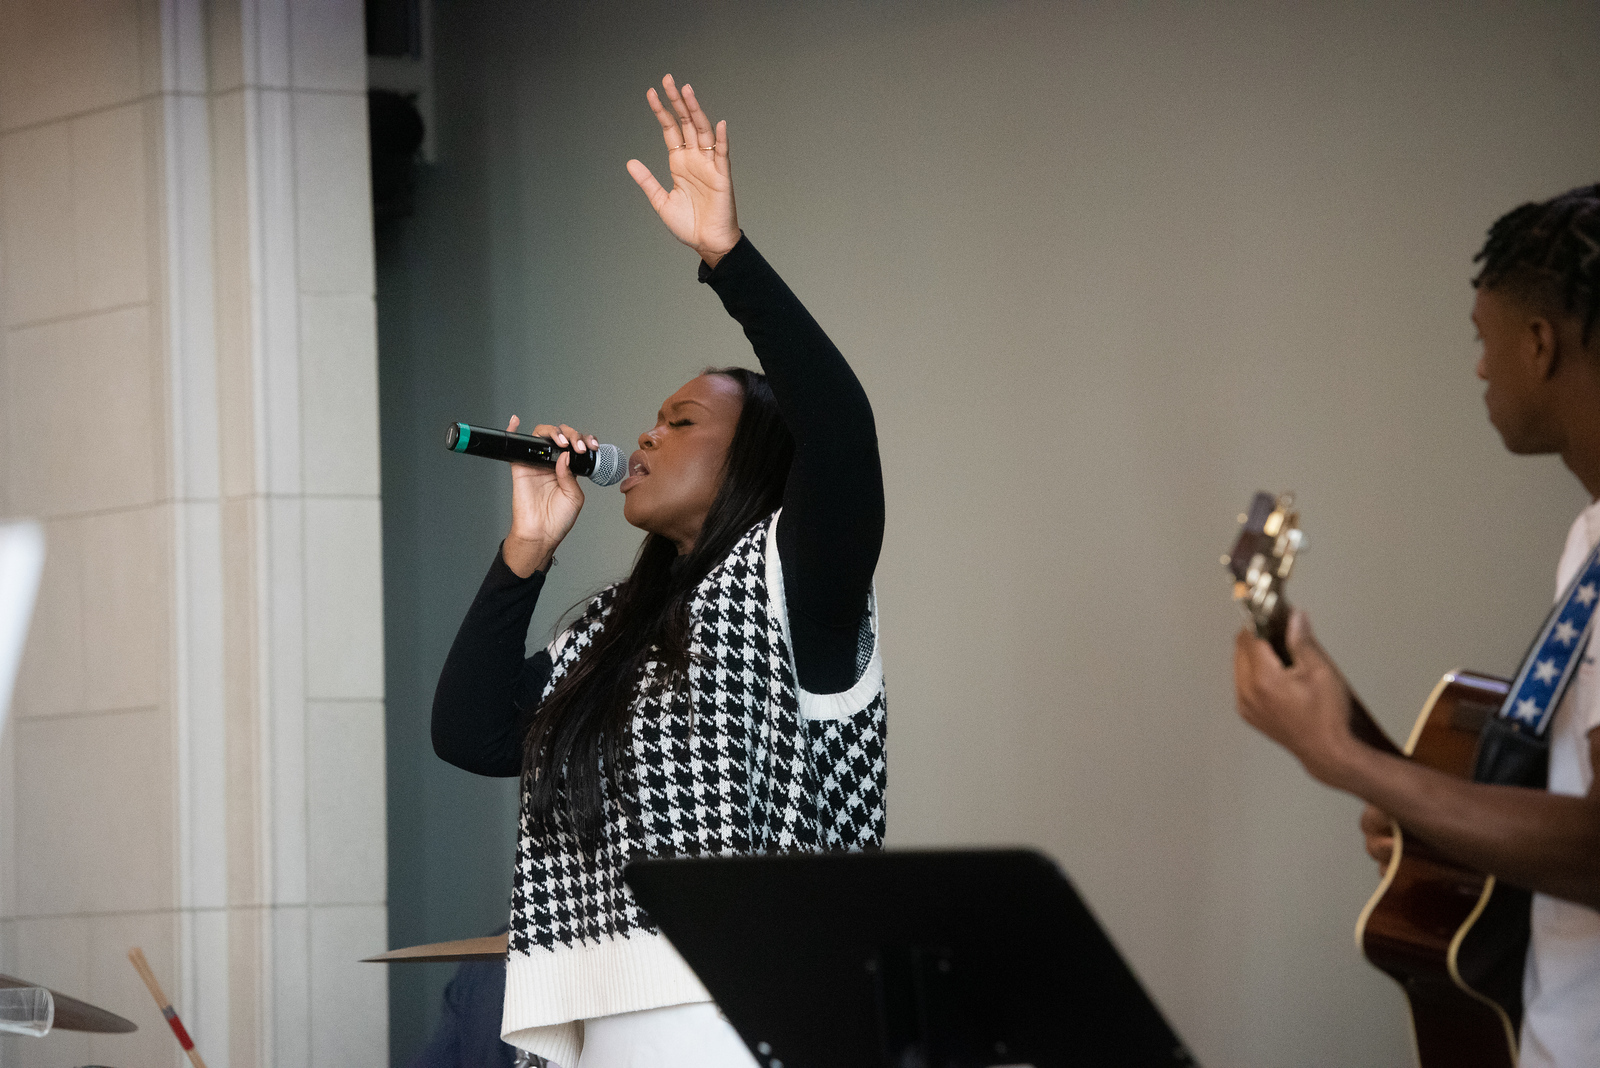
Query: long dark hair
(578, 744)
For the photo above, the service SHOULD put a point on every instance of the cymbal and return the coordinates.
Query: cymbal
(75, 1015)
(491, 948)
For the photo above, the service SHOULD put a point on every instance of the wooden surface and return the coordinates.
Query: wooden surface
(491, 948)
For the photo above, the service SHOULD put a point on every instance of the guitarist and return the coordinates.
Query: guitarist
(1537, 311)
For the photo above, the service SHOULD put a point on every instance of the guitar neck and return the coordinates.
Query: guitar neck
(1364, 727)
(1276, 633)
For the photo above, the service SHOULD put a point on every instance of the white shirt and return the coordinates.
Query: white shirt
(1561, 980)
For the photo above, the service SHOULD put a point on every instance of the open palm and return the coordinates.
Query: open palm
(699, 209)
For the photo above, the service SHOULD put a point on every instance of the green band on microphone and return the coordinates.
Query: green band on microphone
(465, 433)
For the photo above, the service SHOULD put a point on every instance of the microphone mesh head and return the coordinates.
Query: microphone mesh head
(610, 466)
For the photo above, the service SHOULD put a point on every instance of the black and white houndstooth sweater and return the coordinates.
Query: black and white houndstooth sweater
(731, 757)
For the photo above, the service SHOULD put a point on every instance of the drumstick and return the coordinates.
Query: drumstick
(136, 955)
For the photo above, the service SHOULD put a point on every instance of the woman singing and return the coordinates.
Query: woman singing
(725, 698)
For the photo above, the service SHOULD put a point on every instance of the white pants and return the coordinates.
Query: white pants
(681, 1036)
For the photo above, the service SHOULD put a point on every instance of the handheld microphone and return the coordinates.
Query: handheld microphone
(605, 466)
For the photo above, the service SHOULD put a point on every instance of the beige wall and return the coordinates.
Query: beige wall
(1105, 270)
(189, 397)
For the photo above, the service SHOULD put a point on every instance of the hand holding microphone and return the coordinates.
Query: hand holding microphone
(604, 464)
(545, 496)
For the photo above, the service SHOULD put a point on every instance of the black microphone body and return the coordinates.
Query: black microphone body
(605, 466)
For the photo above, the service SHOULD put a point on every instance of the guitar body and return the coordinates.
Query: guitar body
(1454, 939)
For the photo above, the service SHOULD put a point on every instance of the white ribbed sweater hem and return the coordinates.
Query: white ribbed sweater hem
(549, 991)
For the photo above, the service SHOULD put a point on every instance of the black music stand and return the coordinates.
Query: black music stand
(907, 960)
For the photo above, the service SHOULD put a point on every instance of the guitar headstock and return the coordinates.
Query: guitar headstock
(1269, 540)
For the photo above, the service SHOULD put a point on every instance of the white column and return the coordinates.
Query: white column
(190, 403)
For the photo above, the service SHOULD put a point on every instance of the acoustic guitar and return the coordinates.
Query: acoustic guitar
(1453, 938)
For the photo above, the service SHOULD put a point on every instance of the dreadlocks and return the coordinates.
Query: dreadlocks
(1549, 255)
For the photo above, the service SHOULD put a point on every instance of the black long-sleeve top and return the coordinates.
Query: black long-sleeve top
(829, 535)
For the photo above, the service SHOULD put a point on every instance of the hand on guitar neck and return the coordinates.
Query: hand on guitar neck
(1303, 703)
(1377, 827)
(1314, 714)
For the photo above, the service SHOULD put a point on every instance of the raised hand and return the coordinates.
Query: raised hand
(545, 502)
(699, 210)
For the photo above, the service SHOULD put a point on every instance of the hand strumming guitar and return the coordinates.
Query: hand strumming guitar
(1378, 831)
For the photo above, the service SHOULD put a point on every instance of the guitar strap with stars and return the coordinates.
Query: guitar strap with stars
(1513, 748)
